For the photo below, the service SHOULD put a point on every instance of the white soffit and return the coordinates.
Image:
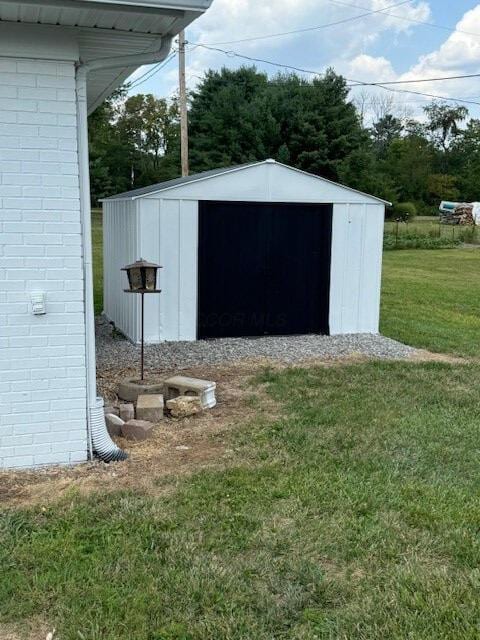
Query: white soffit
(135, 17)
(108, 28)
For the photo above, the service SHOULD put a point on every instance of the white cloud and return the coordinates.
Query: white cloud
(400, 19)
(458, 55)
(230, 20)
(365, 67)
(461, 51)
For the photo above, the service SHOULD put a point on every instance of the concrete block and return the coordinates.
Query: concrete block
(150, 407)
(114, 424)
(111, 409)
(184, 406)
(185, 386)
(137, 430)
(129, 390)
(126, 412)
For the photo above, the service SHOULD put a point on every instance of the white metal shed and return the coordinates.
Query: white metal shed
(257, 249)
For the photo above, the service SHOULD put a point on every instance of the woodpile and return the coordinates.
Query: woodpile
(462, 214)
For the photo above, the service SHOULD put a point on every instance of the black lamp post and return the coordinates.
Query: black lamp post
(142, 278)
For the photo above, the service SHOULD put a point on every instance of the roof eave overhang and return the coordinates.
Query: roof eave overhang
(147, 6)
(114, 28)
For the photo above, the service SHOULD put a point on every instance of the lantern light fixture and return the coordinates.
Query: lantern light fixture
(142, 279)
(142, 276)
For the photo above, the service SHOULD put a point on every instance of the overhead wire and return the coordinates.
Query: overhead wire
(354, 83)
(315, 28)
(152, 72)
(367, 13)
(412, 20)
(418, 80)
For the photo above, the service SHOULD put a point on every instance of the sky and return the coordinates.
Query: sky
(376, 41)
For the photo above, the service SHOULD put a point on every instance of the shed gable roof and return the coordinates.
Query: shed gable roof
(177, 183)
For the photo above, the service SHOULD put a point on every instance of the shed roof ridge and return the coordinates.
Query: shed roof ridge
(213, 173)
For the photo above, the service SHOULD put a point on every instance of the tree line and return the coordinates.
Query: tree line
(239, 116)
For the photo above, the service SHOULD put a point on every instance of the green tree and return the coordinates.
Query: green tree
(230, 120)
(109, 166)
(149, 127)
(241, 116)
(466, 150)
(387, 129)
(409, 163)
(132, 143)
(363, 170)
(443, 122)
(442, 186)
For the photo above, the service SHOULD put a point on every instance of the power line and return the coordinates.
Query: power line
(413, 20)
(357, 83)
(317, 28)
(234, 54)
(367, 13)
(152, 72)
(353, 86)
(416, 81)
(418, 93)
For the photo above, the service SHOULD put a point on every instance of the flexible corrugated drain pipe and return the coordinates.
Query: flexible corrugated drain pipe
(103, 445)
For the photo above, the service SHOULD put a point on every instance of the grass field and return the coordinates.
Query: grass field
(431, 299)
(352, 514)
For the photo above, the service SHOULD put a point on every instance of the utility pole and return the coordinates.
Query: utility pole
(183, 104)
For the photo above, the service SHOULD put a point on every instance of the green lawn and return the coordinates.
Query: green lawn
(431, 299)
(352, 515)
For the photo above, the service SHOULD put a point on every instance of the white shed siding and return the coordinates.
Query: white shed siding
(120, 247)
(42, 358)
(168, 231)
(250, 183)
(356, 268)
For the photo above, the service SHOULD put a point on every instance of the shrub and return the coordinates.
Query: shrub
(467, 234)
(404, 211)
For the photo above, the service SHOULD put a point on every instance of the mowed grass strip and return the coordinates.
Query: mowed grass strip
(431, 299)
(354, 516)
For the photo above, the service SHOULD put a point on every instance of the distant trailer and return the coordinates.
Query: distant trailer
(258, 249)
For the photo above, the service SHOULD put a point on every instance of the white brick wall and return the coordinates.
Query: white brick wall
(42, 358)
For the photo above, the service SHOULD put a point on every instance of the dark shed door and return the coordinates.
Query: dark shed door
(263, 268)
